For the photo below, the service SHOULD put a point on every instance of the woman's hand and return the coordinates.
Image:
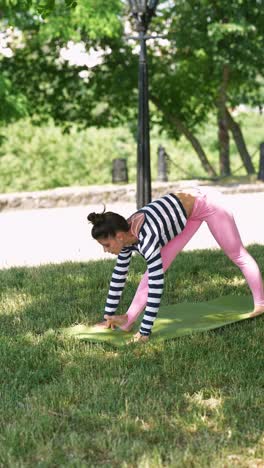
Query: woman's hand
(105, 324)
(139, 338)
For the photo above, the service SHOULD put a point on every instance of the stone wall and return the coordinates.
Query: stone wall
(72, 196)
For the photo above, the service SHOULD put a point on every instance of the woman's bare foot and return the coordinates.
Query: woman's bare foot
(120, 321)
(127, 328)
(257, 311)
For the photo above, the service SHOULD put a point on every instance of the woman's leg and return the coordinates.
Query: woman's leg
(223, 227)
(168, 254)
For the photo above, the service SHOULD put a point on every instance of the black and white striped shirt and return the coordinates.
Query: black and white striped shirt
(164, 219)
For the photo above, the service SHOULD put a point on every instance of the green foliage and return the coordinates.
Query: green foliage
(55, 89)
(66, 19)
(222, 33)
(43, 7)
(41, 157)
(36, 158)
(13, 105)
(197, 400)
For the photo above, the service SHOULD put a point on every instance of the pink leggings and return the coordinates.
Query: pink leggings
(223, 227)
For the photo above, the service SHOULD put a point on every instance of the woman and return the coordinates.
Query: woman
(159, 231)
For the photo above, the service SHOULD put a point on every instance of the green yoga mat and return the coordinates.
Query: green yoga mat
(175, 320)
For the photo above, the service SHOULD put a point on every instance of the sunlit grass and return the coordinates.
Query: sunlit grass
(194, 401)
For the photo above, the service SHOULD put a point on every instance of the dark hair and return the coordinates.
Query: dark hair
(107, 224)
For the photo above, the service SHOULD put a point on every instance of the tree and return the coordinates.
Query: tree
(230, 35)
(52, 87)
(213, 58)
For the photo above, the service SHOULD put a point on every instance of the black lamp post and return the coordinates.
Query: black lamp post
(142, 11)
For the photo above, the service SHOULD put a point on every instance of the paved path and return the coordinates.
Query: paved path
(34, 237)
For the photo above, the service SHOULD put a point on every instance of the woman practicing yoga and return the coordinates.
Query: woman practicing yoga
(159, 231)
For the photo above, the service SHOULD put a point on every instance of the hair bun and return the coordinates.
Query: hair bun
(96, 218)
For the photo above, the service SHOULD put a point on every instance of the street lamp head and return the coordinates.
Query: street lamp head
(142, 6)
(152, 5)
(138, 6)
(142, 11)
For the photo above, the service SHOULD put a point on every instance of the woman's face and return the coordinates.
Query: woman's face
(112, 245)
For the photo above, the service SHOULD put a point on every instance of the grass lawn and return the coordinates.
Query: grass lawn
(197, 401)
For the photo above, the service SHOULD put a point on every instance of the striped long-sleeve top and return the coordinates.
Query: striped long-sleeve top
(164, 219)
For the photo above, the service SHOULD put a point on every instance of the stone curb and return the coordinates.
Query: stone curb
(94, 194)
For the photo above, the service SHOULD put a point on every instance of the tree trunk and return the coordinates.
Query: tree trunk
(240, 143)
(223, 135)
(195, 144)
(181, 127)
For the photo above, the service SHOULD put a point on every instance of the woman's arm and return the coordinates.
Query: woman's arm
(118, 281)
(155, 290)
